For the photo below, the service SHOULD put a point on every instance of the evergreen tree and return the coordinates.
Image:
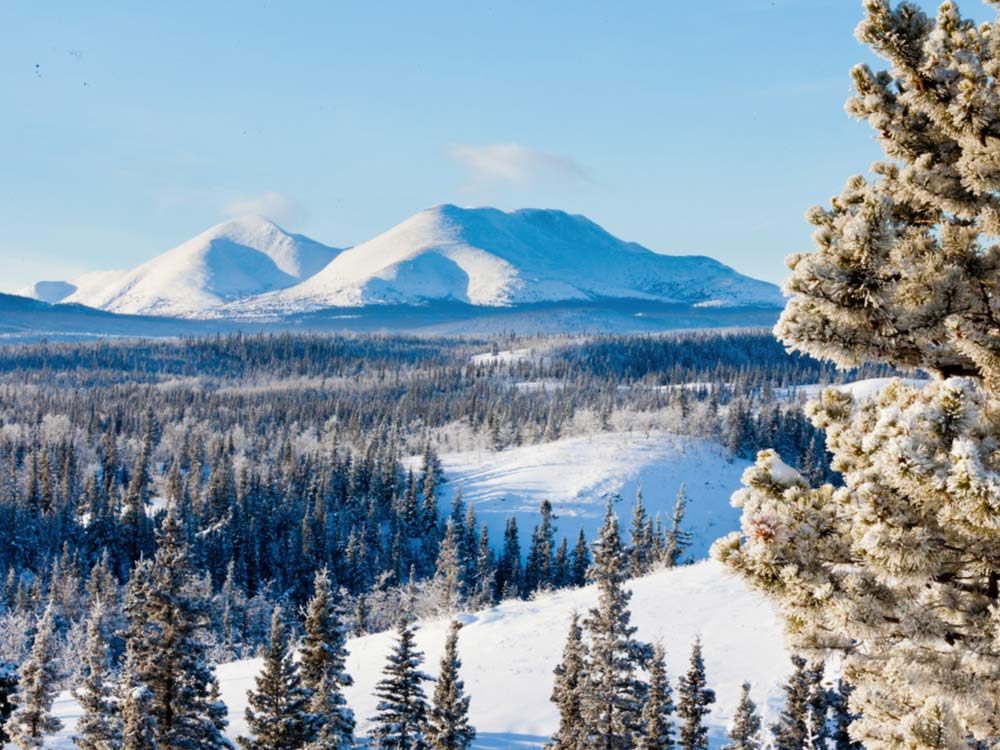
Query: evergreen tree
(658, 727)
(744, 733)
(448, 725)
(842, 718)
(448, 571)
(167, 615)
(615, 694)
(568, 692)
(138, 726)
(639, 542)
(401, 713)
(277, 711)
(509, 568)
(8, 689)
(904, 273)
(792, 727)
(98, 726)
(694, 699)
(678, 540)
(323, 662)
(581, 560)
(37, 687)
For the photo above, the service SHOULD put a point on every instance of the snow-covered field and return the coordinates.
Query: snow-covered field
(509, 653)
(578, 474)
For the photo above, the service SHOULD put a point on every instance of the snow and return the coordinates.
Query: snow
(506, 356)
(861, 390)
(509, 652)
(578, 474)
(231, 261)
(57, 291)
(487, 257)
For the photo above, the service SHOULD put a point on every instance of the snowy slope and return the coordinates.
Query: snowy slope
(231, 261)
(57, 291)
(509, 653)
(487, 257)
(578, 474)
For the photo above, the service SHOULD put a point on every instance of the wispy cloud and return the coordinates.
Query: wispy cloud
(271, 205)
(513, 164)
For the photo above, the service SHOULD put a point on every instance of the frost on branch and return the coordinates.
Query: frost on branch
(899, 569)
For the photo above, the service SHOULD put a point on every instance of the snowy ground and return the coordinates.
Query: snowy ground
(578, 474)
(509, 653)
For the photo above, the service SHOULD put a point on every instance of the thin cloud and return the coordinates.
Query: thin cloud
(513, 164)
(270, 205)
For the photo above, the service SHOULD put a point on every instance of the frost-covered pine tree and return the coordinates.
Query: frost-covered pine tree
(98, 727)
(447, 583)
(694, 699)
(744, 732)
(448, 725)
(401, 712)
(899, 569)
(568, 692)
(167, 616)
(615, 694)
(39, 676)
(793, 724)
(277, 712)
(842, 718)
(657, 712)
(323, 663)
(135, 701)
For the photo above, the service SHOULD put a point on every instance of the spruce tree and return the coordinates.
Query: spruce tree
(568, 692)
(167, 614)
(8, 688)
(401, 712)
(323, 661)
(897, 569)
(581, 560)
(793, 724)
(678, 539)
(615, 694)
(98, 727)
(693, 705)
(657, 722)
(38, 682)
(639, 542)
(448, 725)
(744, 732)
(138, 726)
(448, 571)
(277, 711)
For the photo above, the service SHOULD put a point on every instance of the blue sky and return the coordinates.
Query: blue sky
(691, 127)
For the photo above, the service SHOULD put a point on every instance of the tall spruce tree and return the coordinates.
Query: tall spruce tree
(744, 732)
(792, 727)
(657, 713)
(401, 712)
(323, 661)
(615, 693)
(98, 727)
(167, 614)
(277, 711)
(694, 701)
(38, 682)
(448, 725)
(135, 701)
(678, 539)
(897, 569)
(569, 692)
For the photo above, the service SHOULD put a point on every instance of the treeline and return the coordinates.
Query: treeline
(160, 691)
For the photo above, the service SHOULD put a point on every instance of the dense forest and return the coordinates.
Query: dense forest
(286, 455)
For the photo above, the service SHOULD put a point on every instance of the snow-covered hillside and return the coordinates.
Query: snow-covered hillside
(231, 261)
(509, 653)
(85, 284)
(483, 256)
(578, 474)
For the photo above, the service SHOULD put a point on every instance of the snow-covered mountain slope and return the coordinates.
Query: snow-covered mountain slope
(231, 261)
(85, 284)
(509, 652)
(578, 475)
(487, 257)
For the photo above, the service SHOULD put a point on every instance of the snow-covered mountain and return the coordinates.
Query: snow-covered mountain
(57, 291)
(487, 257)
(231, 261)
